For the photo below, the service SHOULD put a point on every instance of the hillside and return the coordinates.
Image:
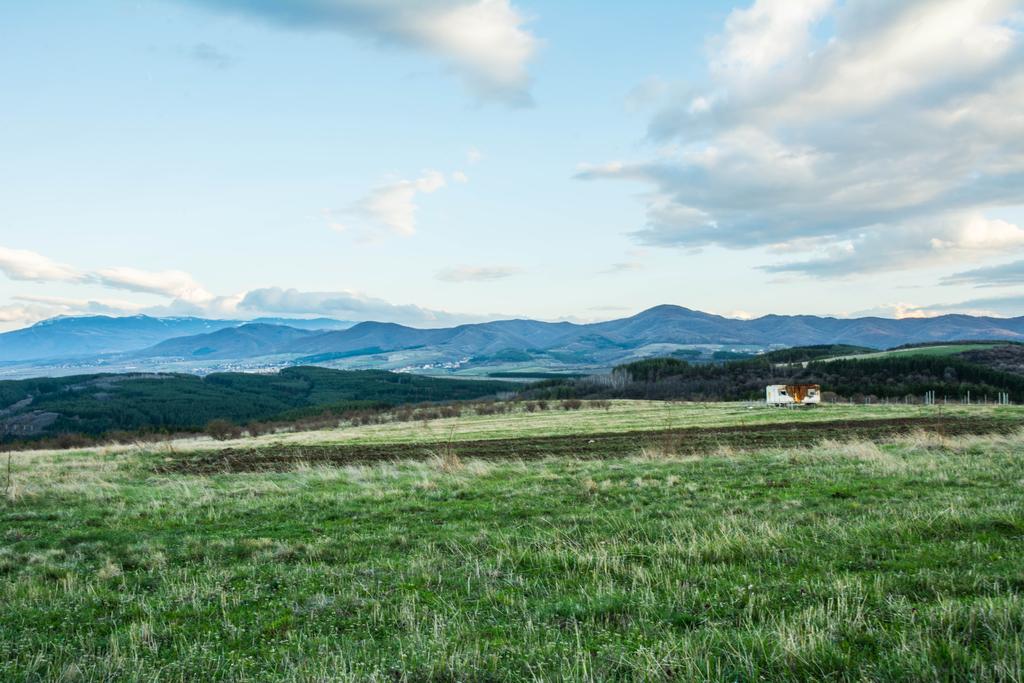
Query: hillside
(1006, 358)
(244, 341)
(857, 377)
(97, 404)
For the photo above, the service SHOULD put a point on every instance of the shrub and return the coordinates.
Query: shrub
(222, 430)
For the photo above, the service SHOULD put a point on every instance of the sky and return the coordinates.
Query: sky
(432, 162)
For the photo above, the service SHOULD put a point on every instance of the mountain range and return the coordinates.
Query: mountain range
(82, 336)
(197, 344)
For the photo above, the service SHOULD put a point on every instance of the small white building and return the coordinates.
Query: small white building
(792, 394)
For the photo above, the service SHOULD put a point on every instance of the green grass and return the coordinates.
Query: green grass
(851, 561)
(937, 350)
(622, 416)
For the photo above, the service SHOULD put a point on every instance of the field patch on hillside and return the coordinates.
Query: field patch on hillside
(689, 441)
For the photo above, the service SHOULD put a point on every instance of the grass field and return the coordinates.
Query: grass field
(937, 350)
(621, 416)
(896, 559)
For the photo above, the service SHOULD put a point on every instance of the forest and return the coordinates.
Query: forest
(165, 403)
(901, 377)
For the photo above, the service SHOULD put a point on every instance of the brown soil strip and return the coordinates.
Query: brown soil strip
(602, 445)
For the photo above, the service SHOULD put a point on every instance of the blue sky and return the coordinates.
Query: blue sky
(453, 160)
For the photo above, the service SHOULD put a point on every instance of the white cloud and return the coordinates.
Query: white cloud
(477, 273)
(170, 283)
(474, 156)
(881, 248)
(14, 316)
(484, 41)
(346, 305)
(996, 307)
(79, 306)
(1006, 274)
(186, 294)
(29, 310)
(21, 264)
(765, 35)
(388, 208)
(899, 127)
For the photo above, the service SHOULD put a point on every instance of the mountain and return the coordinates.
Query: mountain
(67, 337)
(662, 325)
(198, 345)
(73, 337)
(306, 323)
(244, 341)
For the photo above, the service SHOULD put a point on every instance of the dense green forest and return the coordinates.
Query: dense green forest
(885, 377)
(99, 404)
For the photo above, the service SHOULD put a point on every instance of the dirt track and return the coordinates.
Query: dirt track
(602, 445)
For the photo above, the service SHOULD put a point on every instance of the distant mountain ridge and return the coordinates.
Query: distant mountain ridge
(81, 336)
(668, 324)
(71, 337)
(244, 341)
(650, 332)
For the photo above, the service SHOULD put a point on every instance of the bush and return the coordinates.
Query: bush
(572, 404)
(222, 430)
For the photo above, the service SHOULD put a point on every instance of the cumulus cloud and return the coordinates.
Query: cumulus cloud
(170, 283)
(485, 42)
(883, 248)
(21, 264)
(187, 296)
(477, 273)
(83, 306)
(834, 130)
(27, 310)
(1002, 275)
(346, 305)
(388, 208)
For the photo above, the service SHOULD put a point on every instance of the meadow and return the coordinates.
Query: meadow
(938, 350)
(889, 558)
(616, 416)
